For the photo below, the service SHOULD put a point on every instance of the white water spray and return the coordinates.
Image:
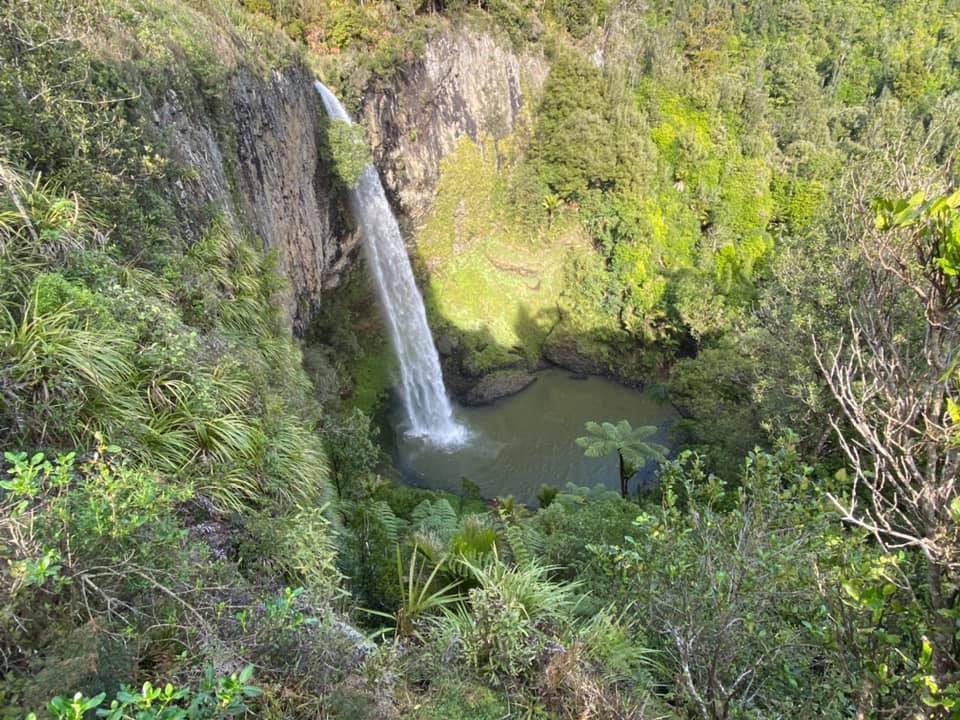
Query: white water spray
(421, 383)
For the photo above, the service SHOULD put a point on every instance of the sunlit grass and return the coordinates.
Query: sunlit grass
(489, 274)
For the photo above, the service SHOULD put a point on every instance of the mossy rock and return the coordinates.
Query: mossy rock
(498, 385)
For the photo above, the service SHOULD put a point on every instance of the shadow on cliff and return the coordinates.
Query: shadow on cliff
(478, 368)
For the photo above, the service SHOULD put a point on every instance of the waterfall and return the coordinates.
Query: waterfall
(421, 384)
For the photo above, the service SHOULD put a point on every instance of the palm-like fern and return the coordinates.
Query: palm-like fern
(474, 541)
(419, 593)
(437, 517)
(630, 443)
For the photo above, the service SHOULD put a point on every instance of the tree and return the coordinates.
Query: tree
(350, 440)
(630, 444)
(894, 378)
(749, 594)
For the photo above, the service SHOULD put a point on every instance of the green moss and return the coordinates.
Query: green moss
(493, 281)
(372, 375)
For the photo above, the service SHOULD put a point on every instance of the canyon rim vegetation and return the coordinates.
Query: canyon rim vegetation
(750, 211)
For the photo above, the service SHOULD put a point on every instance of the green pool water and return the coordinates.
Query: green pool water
(526, 440)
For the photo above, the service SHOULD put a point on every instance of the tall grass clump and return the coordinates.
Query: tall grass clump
(191, 369)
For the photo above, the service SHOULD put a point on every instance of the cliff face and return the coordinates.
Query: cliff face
(265, 172)
(284, 189)
(257, 159)
(467, 83)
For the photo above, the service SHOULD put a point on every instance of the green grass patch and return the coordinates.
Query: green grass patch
(491, 276)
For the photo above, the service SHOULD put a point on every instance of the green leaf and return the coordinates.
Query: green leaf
(93, 702)
(955, 509)
(954, 409)
(880, 220)
(596, 450)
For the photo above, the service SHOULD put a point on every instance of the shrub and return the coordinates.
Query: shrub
(215, 699)
(505, 624)
(299, 546)
(91, 536)
(350, 440)
(345, 150)
(720, 580)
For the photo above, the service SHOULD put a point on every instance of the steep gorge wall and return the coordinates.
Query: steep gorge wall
(467, 83)
(260, 163)
(258, 159)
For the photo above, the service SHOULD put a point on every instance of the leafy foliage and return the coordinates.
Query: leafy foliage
(628, 442)
(501, 627)
(345, 150)
(216, 698)
(681, 197)
(743, 591)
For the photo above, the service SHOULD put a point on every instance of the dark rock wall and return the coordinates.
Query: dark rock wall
(466, 84)
(259, 163)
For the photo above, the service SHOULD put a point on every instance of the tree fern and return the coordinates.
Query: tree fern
(474, 542)
(475, 536)
(383, 514)
(523, 542)
(432, 546)
(437, 517)
(628, 442)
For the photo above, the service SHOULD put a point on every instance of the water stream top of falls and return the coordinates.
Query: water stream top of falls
(428, 410)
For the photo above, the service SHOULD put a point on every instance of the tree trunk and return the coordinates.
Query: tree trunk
(623, 476)
(944, 664)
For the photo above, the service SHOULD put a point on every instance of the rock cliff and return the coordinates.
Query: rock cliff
(466, 83)
(259, 162)
(257, 159)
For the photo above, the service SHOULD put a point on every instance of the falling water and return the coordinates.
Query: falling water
(421, 384)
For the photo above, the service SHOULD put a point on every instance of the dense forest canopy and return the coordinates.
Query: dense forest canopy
(752, 208)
